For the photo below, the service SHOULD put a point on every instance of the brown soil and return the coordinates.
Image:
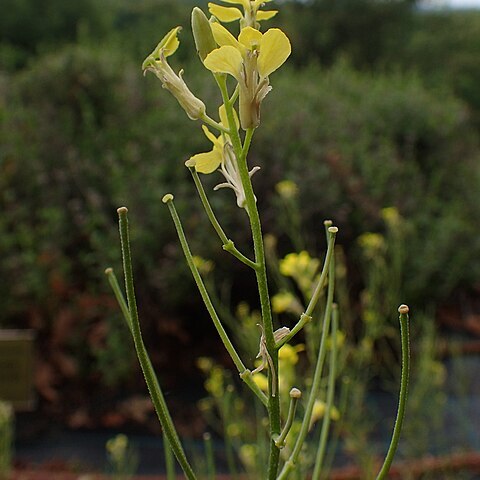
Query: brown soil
(469, 462)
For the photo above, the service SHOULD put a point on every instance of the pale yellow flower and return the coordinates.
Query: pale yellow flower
(319, 409)
(287, 189)
(282, 301)
(157, 63)
(221, 156)
(261, 380)
(250, 16)
(250, 59)
(288, 354)
(301, 267)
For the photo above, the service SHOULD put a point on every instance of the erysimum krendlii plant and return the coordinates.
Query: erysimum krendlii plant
(241, 64)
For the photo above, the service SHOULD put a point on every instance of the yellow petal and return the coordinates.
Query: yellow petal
(225, 14)
(207, 162)
(274, 50)
(245, 3)
(223, 37)
(250, 38)
(266, 14)
(170, 42)
(225, 59)
(261, 380)
(209, 134)
(168, 45)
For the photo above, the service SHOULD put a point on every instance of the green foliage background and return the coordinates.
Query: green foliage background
(379, 107)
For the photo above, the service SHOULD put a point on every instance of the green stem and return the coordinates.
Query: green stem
(207, 440)
(317, 375)
(150, 378)
(307, 316)
(404, 332)
(295, 394)
(330, 395)
(261, 275)
(304, 319)
(338, 427)
(235, 94)
(229, 448)
(228, 244)
(112, 279)
(245, 374)
(210, 121)
(332, 231)
(169, 461)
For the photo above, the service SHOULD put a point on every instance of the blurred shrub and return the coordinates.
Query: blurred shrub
(28, 27)
(444, 48)
(356, 143)
(367, 32)
(82, 132)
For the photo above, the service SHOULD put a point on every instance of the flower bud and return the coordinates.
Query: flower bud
(202, 33)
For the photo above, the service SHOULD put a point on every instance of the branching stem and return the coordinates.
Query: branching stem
(228, 244)
(241, 152)
(245, 374)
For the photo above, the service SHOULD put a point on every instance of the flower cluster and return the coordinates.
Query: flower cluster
(249, 58)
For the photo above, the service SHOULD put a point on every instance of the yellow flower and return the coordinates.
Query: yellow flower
(372, 243)
(391, 216)
(289, 355)
(204, 266)
(261, 380)
(319, 408)
(287, 189)
(250, 59)
(157, 63)
(248, 454)
(208, 162)
(282, 301)
(251, 12)
(221, 156)
(205, 364)
(301, 267)
(117, 447)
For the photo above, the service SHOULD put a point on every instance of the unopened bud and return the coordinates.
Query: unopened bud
(403, 309)
(202, 33)
(295, 393)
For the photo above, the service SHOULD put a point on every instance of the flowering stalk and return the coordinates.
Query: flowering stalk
(290, 464)
(228, 244)
(250, 58)
(295, 395)
(404, 332)
(245, 374)
(169, 460)
(306, 317)
(330, 394)
(241, 152)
